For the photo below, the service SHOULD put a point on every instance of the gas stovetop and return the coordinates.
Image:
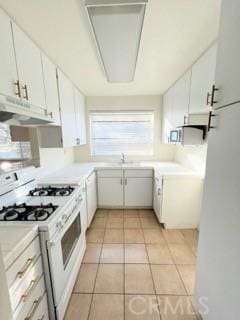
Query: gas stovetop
(51, 191)
(25, 212)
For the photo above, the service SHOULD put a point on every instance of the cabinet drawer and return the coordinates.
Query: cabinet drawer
(42, 310)
(109, 173)
(31, 305)
(23, 264)
(136, 173)
(24, 290)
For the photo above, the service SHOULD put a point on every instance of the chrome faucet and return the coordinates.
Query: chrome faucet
(123, 158)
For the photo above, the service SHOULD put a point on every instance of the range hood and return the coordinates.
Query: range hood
(117, 28)
(15, 112)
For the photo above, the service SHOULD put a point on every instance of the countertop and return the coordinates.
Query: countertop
(13, 240)
(76, 173)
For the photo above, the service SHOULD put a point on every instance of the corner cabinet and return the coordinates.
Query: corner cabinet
(180, 100)
(8, 74)
(167, 121)
(67, 110)
(80, 117)
(29, 65)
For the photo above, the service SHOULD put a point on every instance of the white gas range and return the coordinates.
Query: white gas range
(57, 212)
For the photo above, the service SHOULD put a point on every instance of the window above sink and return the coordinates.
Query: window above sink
(114, 133)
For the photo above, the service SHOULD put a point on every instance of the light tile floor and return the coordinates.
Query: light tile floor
(134, 269)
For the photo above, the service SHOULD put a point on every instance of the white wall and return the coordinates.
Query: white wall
(192, 157)
(139, 103)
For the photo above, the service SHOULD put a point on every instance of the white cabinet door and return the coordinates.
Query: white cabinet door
(29, 66)
(91, 197)
(157, 199)
(181, 96)
(51, 89)
(8, 73)
(83, 211)
(110, 192)
(67, 109)
(80, 117)
(138, 192)
(219, 240)
(203, 74)
(228, 67)
(167, 121)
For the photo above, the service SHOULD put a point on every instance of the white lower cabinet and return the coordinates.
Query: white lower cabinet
(125, 188)
(110, 192)
(157, 197)
(91, 196)
(26, 285)
(181, 202)
(83, 210)
(138, 192)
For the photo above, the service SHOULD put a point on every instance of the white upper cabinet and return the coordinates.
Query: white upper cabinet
(51, 89)
(8, 68)
(167, 121)
(228, 67)
(67, 109)
(80, 117)
(180, 104)
(203, 75)
(29, 66)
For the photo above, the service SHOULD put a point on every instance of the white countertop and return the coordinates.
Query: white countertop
(14, 239)
(76, 173)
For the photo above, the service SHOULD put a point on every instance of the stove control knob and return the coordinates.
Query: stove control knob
(59, 225)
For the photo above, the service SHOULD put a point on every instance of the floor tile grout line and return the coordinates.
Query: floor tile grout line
(176, 267)
(155, 290)
(89, 312)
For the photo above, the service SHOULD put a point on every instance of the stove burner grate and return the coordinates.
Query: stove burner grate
(52, 191)
(24, 212)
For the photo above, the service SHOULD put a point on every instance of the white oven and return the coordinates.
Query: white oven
(65, 251)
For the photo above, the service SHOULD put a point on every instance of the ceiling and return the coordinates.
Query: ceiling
(175, 33)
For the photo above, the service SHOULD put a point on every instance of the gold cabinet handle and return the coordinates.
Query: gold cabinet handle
(30, 288)
(34, 307)
(25, 268)
(18, 89)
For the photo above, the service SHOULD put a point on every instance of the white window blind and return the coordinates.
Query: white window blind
(115, 132)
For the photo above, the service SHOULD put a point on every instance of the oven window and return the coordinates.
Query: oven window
(69, 240)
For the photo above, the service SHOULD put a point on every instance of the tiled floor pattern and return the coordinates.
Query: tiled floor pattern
(134, 269)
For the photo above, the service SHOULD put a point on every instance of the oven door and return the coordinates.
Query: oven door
(64, 252)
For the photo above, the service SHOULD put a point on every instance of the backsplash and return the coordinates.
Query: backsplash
(192, 157)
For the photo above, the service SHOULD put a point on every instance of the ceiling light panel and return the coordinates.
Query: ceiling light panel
(117, 27)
